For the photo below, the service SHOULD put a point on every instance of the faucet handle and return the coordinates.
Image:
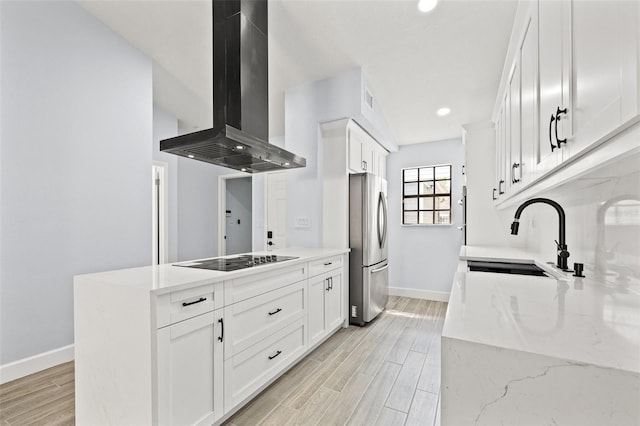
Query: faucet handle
(560, 248)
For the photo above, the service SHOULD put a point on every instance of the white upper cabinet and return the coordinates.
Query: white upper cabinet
(515, 154)
(365, 154)
(573, 84)
(528, 58)
(604, 69)
(553, 60)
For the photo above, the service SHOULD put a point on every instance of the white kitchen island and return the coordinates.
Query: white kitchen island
(526, 350)
(177, 345)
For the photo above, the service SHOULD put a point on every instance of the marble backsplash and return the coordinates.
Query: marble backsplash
(602, 220)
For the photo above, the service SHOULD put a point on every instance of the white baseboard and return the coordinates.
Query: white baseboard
(33, 364)
(415, 293)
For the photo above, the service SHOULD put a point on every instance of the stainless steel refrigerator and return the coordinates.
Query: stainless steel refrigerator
(368, 265)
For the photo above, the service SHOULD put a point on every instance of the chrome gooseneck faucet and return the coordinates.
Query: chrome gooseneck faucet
(563, 254)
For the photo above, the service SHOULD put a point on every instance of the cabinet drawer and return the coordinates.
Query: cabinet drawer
(256, 318)
(184, 304)
(240, 289)
(323, 265)
(249, 370)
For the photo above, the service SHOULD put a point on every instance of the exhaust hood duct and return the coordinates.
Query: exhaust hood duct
(240, 132)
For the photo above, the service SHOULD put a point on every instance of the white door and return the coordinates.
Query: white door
(276, 210)
(238, 215)
(159, 214)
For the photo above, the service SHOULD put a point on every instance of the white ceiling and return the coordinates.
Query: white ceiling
(415, 63)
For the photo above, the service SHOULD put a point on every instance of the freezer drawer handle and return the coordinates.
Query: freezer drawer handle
(328, 263)
(275, 312)
(273, 356)
(202, 299)
(380, 269)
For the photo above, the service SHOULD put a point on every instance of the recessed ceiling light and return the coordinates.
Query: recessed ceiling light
(443, 111)
(285, 164)
(190, 156)
(239, 147)
(425, 6)
(243, 169)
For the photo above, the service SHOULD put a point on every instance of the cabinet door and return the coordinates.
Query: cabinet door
(604, 69)
(367, 156)
(333, 301)
(501, 153)
(498, 161)
(318, 286)
(190, 371)
(553, 60)
(355, 151)
(514, 126)
(529, 102)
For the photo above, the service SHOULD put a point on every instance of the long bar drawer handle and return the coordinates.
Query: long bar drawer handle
(328, 263)
(202, 299)
(273, 356)
(275, 312)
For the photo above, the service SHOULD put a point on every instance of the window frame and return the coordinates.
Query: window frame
(417, 196)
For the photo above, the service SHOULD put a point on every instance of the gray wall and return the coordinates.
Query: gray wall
(306, 107)
(238, 201)
(198, 208)
(193, 196)
(76, 112)
(424, 257)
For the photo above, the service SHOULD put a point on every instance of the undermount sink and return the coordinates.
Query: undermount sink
(506, 268)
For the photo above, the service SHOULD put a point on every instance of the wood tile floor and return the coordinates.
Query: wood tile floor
(43, 398)
(386, 373)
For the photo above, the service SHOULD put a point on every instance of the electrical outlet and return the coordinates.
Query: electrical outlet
(302, 222)
(354, 311)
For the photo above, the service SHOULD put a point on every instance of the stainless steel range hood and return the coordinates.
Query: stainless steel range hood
(238, 139)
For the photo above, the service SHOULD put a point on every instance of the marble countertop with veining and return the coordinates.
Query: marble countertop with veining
(586, 320)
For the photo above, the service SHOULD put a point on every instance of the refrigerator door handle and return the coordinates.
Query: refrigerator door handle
(373, 271)
(382, 221)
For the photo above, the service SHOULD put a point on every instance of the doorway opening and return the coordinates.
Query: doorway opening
(235, 230)
(160, 243)
(276, 211)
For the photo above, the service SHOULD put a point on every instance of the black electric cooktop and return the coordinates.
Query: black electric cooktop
(237, 262)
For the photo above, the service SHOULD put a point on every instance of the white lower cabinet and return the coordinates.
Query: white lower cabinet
(247, 371)
(318, 286)
(194, 353)
(256, 318)
(333, 301)
(210, 363)
(325, 304)
(190, 371)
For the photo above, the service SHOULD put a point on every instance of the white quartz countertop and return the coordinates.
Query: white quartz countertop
(585, 320)
(169, 277)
